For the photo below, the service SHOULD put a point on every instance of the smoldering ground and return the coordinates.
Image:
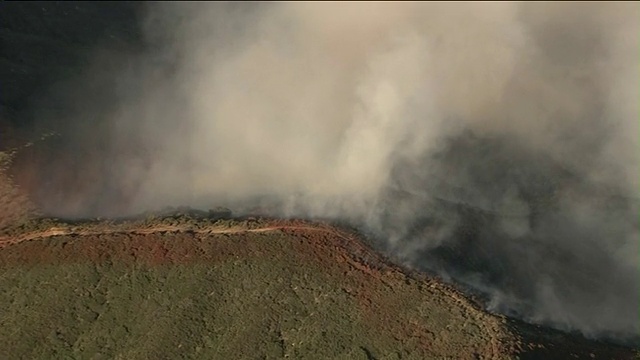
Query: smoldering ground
(494, 143)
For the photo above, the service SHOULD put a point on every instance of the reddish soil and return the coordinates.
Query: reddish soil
(340, 253)
(337, 251)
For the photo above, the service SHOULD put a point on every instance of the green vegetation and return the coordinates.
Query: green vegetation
(187, 285)
(260, 299)
(113, 311)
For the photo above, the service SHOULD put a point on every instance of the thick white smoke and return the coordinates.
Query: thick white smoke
(494, 142)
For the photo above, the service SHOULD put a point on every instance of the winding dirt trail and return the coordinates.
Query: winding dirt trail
(356, 248)
(71, 231)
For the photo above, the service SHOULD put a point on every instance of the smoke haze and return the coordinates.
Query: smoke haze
(493, 143)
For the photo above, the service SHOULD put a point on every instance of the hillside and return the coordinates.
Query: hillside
(187, 283)
(191, 285)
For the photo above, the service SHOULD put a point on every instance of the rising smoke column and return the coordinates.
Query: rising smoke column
(494, 143)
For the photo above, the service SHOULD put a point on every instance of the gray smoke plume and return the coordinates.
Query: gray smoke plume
(493, 143)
